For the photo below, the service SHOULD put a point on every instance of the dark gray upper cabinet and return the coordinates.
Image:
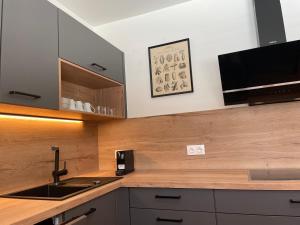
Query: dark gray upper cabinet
(83, 47)
(29, 67)
(0, 18)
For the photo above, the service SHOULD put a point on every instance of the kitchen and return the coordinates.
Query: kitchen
(199, 157)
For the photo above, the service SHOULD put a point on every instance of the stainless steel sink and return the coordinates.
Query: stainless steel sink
(275, 174)
(65, 189)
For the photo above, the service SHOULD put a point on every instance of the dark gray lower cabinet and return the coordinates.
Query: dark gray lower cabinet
(236, 219)
(110, 209)
(122, 206)
(29, 54)
(282, 203)
(242, 207)
(159, 206)
(105, 213)
(168, 217)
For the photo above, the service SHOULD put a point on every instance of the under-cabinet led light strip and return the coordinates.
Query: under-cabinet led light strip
(33, 118)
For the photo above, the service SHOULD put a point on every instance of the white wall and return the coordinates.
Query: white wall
(291, 12)
(71, 13)
(213, 26)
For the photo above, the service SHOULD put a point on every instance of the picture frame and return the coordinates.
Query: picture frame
(170, 68)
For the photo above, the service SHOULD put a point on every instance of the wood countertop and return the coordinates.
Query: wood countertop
(204, 179)
(28, 212)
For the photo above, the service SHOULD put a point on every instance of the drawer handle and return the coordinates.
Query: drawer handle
(167, 197)
(294, 201)
(24, 94)
(158, 219)
(79, 218)
(102, 68)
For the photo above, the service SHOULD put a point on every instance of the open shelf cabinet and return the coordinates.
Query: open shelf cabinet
(86, 86)
(82, 85)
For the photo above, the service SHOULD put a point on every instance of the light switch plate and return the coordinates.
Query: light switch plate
(193, 150)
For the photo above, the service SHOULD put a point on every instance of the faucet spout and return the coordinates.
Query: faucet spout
(56, 172)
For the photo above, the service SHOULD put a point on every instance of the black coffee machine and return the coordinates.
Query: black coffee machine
(125, 162)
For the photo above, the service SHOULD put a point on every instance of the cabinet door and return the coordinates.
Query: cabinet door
(0, 19)
(83, 47)
(105, 213)
(29, 54)
(122, 206)
(236, 219)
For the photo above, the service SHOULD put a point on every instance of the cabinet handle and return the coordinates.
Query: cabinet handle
(102, 68)
(79, 218)
(294, 201)
(24, 94)
(168, 197)
(158, 219)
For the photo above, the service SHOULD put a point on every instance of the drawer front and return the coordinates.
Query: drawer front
(231, 219)
(258, 202)
(160, 217)
(174, 199)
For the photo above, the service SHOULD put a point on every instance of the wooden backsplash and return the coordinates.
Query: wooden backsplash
(265, 136)
(25, 155)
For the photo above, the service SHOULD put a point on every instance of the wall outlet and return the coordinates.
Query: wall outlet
(193, 150)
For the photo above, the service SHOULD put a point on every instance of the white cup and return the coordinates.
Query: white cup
(65, 103)
(79, 106)
(109, 111)
(112, 111)
(103, 110)
(88, 107)
(72, 104)
(99, 109)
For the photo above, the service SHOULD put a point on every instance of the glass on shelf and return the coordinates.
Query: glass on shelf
(105, 110)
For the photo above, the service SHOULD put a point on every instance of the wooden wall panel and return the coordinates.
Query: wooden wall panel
(25, 155)
(265, 136)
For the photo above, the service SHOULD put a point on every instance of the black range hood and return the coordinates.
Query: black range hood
(270, 24)
(262, 75)
(268, 74)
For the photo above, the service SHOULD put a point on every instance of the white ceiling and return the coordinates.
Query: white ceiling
(98, 12)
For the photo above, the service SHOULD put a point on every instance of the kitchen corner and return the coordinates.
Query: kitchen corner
(158, 113)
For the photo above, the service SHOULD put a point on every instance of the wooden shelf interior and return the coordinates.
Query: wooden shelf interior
(83, 85)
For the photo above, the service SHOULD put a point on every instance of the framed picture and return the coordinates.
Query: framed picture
(170, 68)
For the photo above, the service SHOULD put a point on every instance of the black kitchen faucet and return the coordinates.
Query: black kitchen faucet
(56, 172)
